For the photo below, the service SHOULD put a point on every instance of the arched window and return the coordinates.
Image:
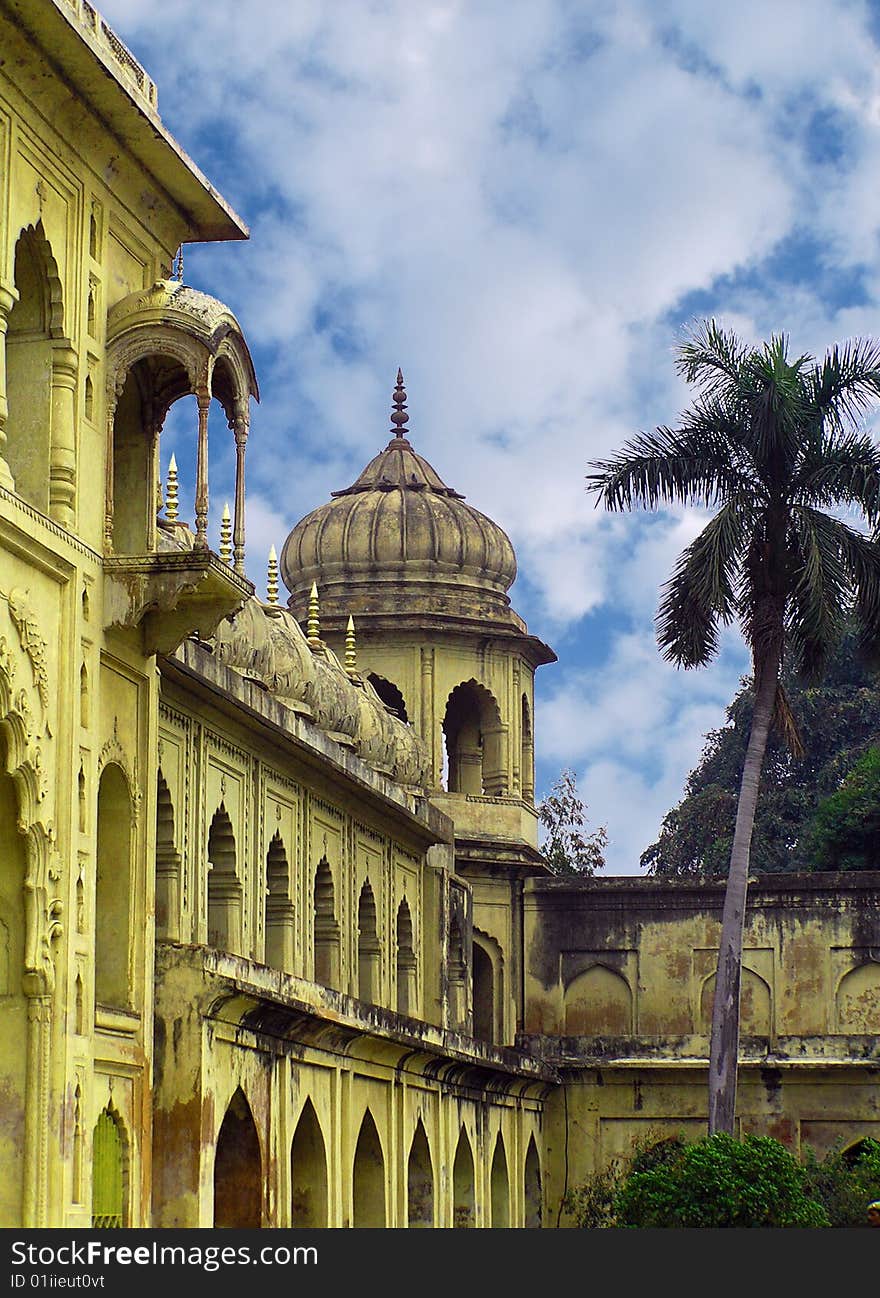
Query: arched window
(598, 1002)
(390, 695)
(41, 385)
(108, 1173)
(463, 1184)
(279, 908)
(500, 1186)
(457, 973)
(13, 1003)
(113, 893)
(308, 1172)
(29, 372)
(224, 888)
(84, 697)
(326, 927)
(857, 1002)
(475, 742)
(167, 865)
(369, 951)
(238, 1170)
(368, 1177)
(134, 490)
(755, 1005)
(484, 993)
(164, 343)
(406, 961)
(527, 754)
(419, 1182)
(534, 1203)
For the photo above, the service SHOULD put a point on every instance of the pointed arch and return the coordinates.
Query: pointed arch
(109, 1168)
(390, 695)
(369, 950)
(420, 1181)
(500, 1186)
(475, 741)
(29, 349)
(527, 752)
(463, 1202)
(487, 977)
(857, 1002)
(113, 891)
(308, 1171)
(368, 1177)
(224, 887)
(182, 342)
(755, 1005)
(279, 907)
(457, 976)
(533, 1188)
(406, 961)
(238, 1168)
(84, 697)
(598, 1002)
(167, 864)
(326, 927)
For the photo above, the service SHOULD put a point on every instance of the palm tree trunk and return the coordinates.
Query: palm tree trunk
(724, 1048)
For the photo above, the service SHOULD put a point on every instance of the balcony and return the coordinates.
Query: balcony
(171, 594)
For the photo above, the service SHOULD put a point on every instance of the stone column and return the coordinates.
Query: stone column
(8, 299)
(430, 731)
(203, 396)
(240, 428)
(114, 392)
(62, 453)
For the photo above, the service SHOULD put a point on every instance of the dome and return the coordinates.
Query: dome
(399, 523)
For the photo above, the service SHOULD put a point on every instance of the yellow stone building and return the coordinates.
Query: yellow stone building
(277, 945)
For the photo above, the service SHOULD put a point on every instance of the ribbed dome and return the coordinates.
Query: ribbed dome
(399, 524)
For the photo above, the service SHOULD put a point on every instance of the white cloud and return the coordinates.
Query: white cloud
(513, 202)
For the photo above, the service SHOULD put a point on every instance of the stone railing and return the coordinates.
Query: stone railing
(102, 34)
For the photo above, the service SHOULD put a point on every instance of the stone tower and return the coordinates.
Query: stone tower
(425, 576)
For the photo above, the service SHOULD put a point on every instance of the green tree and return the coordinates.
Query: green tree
(838, 719)
(567, 848)
(845, 831)
(720, 1181)
(771, 444)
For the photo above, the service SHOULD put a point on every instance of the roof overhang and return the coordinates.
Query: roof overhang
(90, 58)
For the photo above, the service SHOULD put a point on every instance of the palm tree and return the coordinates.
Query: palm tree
(770, 444)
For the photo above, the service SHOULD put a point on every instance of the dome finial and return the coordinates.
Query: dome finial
(399, 417)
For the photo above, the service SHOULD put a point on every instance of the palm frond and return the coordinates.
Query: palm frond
(712, 359)
(785, 724)
(861, 557)
(837, 468)
(847, 383)
(820, 591)
(778, 404)
(701, 592)
(673, 466)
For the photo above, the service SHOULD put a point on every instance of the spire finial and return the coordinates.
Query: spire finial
(226, 535)
(313, 625)
(399, 417)
(350, 663)
(171, 491)
(272, 578)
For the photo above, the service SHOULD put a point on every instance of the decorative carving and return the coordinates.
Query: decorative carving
(31, 641)
(114, 752)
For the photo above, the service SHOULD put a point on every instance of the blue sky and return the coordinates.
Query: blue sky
(523, 205)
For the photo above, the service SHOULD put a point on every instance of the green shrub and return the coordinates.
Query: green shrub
(720, 1181)
(845, 1183)
(592, 1202)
